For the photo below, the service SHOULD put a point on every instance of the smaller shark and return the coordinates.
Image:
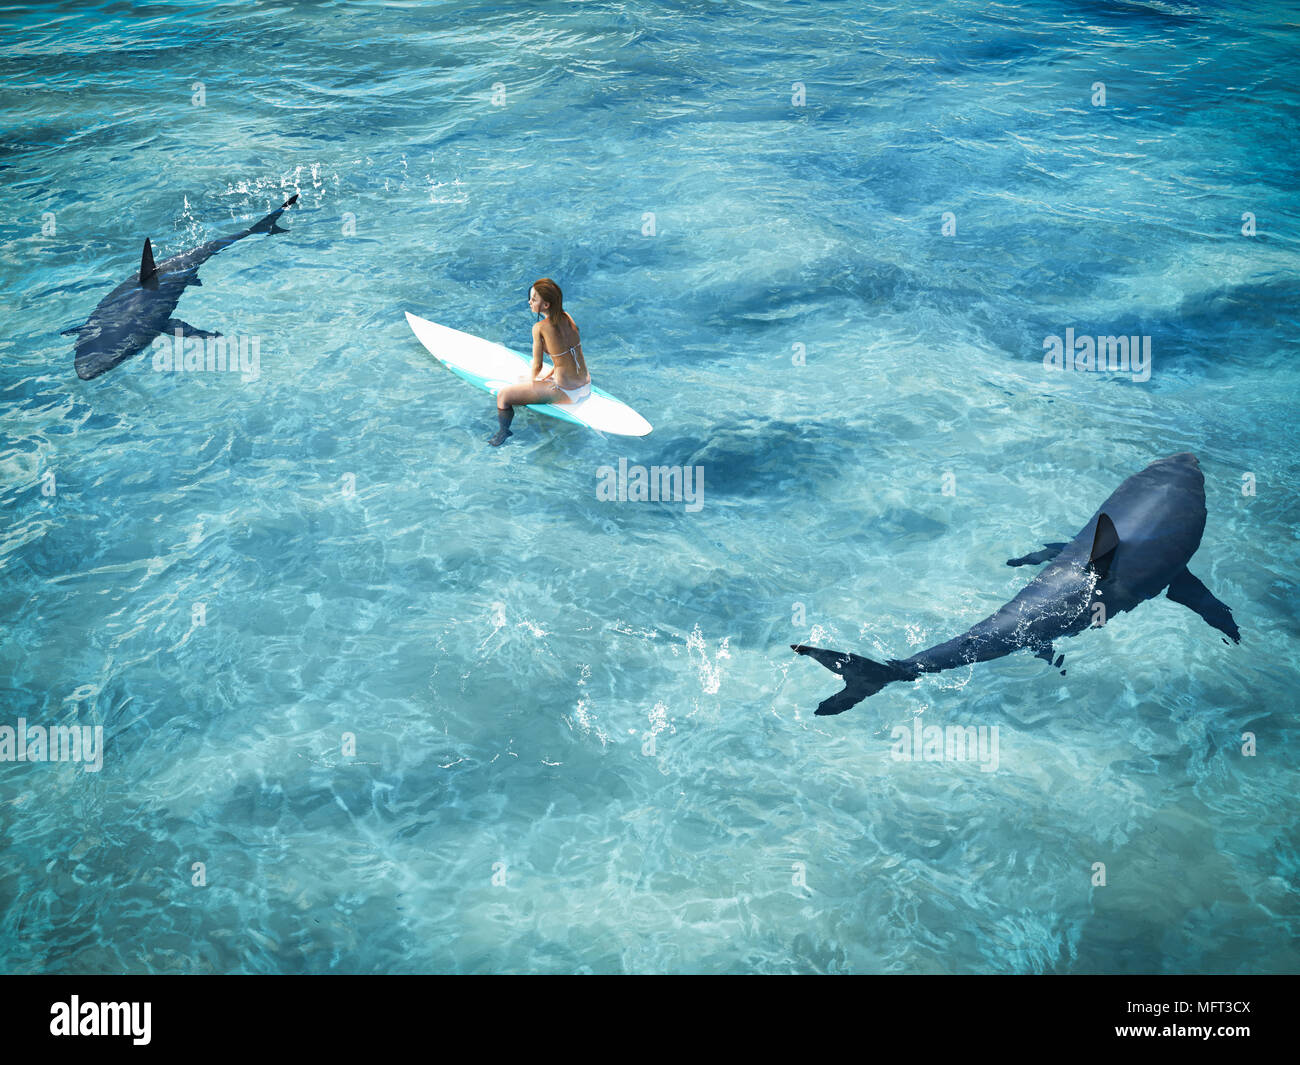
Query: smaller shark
(140, 308)
(1136, 546)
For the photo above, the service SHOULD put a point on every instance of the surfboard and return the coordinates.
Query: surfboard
(491, 367)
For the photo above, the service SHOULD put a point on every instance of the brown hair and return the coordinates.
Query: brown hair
(550, 294)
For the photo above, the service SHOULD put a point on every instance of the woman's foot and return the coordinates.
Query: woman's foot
(504, 418)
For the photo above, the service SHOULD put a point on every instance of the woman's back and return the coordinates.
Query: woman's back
(564, 346)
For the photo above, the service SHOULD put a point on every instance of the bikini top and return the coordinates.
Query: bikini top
(572, 351)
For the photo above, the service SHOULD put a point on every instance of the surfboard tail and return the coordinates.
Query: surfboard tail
(862, 676)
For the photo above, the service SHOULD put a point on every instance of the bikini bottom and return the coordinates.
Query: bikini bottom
(577, 395)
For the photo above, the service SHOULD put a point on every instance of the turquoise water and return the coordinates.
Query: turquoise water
(582, 743)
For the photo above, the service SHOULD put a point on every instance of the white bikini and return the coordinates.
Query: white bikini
(576, 395)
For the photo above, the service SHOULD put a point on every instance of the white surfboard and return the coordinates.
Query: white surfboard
(491, 367)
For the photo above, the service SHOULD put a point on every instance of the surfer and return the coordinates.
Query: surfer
(567, 379)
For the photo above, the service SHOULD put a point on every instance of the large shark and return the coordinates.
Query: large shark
(1137, 545)
(140, 308)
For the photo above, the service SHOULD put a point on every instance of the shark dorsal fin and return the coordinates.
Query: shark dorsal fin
(1103, 546)
(148, 271)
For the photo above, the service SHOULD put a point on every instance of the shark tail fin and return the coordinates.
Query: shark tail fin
(267, 224)
(862, 676)
(148, 271)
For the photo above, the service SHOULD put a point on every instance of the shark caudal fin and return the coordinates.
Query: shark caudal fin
(862, 676)
(267, 224)
(148, 271)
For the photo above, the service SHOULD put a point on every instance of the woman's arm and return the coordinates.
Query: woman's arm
(538, 349)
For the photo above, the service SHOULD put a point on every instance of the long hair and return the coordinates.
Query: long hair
(550, 294)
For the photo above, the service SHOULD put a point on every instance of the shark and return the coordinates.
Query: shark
(1137, 545)
(129, 318)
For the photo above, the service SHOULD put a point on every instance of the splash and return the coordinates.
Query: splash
(710, 672)
(582, 715)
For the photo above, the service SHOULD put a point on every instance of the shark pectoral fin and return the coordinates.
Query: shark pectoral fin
(1036, 558)
(1045, 653)
(1191, 593)
(148, 271)
(862, 676)
(1103, 546)
(186, 329)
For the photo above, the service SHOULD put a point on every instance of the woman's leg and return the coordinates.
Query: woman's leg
(519, 395)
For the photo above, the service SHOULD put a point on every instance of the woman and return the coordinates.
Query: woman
(567, 380)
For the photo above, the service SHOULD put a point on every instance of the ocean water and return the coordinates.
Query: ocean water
(378, 698)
